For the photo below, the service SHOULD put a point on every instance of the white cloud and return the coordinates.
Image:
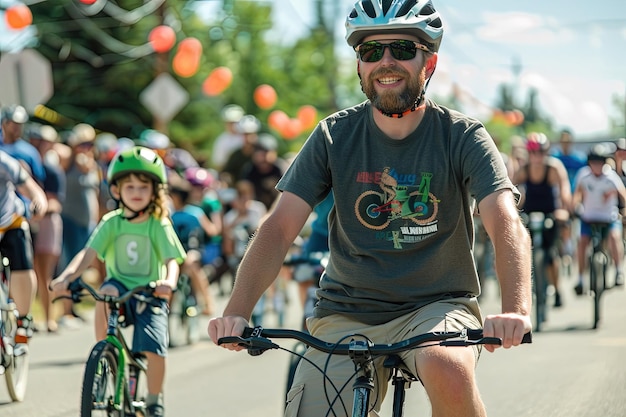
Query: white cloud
(522, 28)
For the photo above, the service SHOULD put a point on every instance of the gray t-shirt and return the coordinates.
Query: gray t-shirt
(401, 231)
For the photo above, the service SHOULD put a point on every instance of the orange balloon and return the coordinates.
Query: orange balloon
(510, 117)
(218, 80)
(191, 45)
(18, 16)
(265, 96)
(185, 64)
(162, 38)
(307, 114)
(277, 120)
(291, 129)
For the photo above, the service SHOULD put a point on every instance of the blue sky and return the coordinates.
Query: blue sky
(573, 53)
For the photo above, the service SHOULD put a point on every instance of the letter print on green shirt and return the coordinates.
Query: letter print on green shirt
(132, 255)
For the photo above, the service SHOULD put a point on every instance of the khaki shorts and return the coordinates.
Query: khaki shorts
(311, 394)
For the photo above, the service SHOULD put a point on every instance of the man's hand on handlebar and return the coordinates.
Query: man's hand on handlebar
(227, 326)
(509, 327)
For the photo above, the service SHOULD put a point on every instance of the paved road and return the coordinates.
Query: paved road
(570, 371)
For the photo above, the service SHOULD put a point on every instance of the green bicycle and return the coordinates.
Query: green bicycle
(114, 382)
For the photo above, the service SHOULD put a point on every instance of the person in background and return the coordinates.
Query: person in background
(48, 239)
(409, 270)
(81, 210)
(13, 121)
(230, 139)
(15, 239)
(620, 159)
(596, 199)
(248, 127)
(191, 225)
(573, 161)
(264, 169)
(545, 189)
(139, 246)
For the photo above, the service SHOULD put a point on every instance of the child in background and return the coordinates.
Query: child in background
(138, 245)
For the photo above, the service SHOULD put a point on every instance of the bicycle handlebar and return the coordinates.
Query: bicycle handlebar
(257, 340)
(75, 288)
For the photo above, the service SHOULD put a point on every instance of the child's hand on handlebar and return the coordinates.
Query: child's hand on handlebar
(163, 289)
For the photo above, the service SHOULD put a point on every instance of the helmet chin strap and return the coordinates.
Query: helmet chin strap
(135, 213)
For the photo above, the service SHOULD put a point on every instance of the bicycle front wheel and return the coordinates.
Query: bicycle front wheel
(99, 383)
(597, 274)
(16, 375)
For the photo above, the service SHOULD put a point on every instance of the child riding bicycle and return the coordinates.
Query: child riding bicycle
(138, 244)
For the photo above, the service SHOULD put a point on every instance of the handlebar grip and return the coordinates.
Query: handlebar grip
(231, 339)
(528, 338)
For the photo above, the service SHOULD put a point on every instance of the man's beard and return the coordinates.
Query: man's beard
(389, 101)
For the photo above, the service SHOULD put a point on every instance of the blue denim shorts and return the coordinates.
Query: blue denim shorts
(149, 321)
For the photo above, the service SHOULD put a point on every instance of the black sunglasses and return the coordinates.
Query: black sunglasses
(402, 50)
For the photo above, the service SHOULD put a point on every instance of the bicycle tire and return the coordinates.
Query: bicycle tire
(183, 321)
(99, 382)
(597, 273)
(16, 371)
(539, 288)
(16, 375)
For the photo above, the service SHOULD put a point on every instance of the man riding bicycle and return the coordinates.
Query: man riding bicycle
(405, 278)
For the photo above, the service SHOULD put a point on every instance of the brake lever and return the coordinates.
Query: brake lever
(254, 345)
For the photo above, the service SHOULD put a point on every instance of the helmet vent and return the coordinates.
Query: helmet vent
(407, 8)
(369, 9)
(427, 10)
(436, 23)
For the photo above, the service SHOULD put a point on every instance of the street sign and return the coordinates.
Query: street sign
(164, 97)
(25, 79)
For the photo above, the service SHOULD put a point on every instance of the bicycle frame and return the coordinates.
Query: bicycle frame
(116, 338)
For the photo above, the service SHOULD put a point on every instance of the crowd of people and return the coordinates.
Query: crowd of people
(60, 189)
(572, 186)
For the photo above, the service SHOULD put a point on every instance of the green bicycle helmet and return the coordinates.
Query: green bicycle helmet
(413, 17)
(137, 159)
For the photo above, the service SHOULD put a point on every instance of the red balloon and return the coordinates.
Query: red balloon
(218, 80)
(265, 96)
(277, 120)
(18, 16)
(307, 114)
(162, 38)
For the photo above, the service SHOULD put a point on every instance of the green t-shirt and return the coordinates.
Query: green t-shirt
(401, 231)
(135, 253)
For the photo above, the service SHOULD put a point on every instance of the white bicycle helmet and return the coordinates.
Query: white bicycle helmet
(414, 17)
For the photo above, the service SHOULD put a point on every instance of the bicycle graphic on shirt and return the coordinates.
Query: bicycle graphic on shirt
(376, 210)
